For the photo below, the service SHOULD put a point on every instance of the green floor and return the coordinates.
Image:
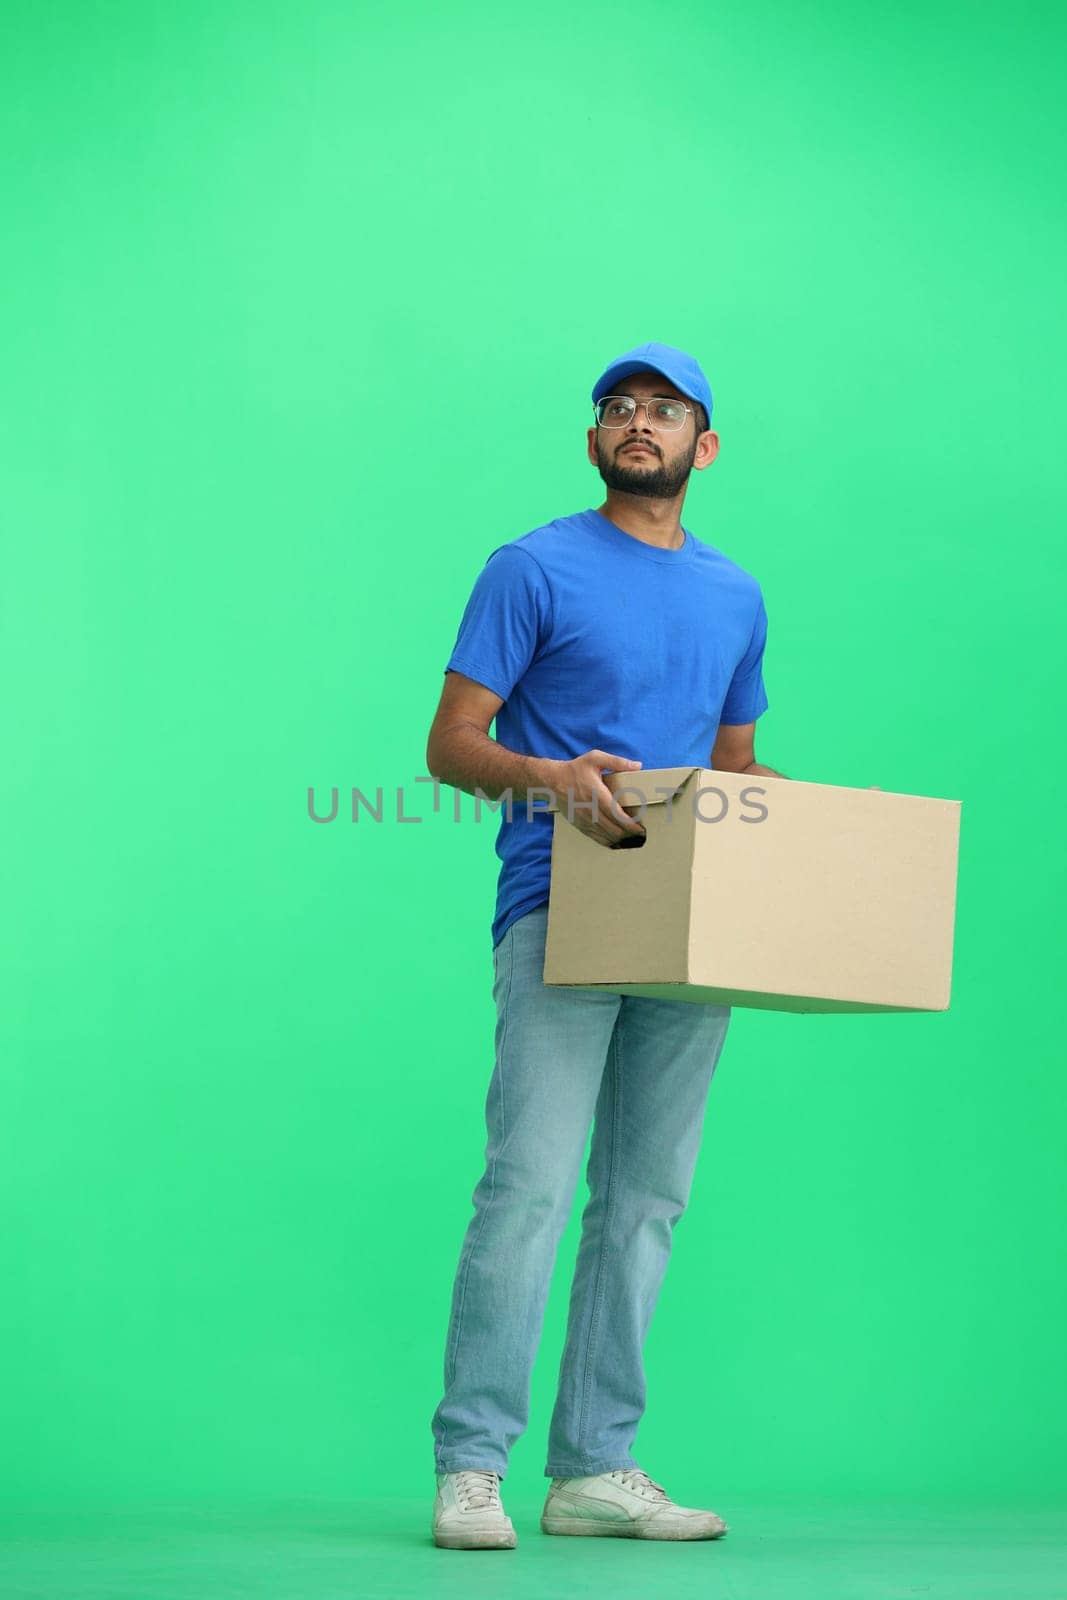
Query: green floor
(382, 1550)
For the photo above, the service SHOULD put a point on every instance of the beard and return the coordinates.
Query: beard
(659, 482)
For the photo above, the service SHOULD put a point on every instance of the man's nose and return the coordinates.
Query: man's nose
(639, 421)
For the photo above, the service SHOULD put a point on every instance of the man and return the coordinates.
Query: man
(608, 640)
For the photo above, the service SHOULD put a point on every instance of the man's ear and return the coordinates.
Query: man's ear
(590, 439)
(706, 451)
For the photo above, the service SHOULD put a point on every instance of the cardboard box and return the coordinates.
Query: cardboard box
(763, 892)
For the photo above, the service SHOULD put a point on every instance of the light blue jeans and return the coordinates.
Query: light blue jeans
(564, 1057)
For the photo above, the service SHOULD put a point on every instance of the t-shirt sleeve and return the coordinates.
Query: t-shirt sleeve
(505, 621)
(746, 698)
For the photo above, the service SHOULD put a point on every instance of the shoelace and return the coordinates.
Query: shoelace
(634, 1478)
(477, 1491)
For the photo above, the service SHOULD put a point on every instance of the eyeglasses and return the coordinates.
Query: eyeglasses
(615, 411)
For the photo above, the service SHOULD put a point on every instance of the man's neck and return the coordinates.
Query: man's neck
(650, 520)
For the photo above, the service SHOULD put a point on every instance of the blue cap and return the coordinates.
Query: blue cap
(682, 370)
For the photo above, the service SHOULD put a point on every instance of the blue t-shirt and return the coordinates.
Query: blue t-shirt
(595, 640)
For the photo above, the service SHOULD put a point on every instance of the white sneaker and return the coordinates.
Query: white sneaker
(625, 1504)
(468, 1514)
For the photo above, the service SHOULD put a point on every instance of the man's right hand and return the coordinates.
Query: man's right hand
(580, 778)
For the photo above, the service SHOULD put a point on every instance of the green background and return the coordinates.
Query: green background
(301, 306)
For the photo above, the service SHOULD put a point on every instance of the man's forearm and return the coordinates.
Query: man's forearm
(468, 759)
